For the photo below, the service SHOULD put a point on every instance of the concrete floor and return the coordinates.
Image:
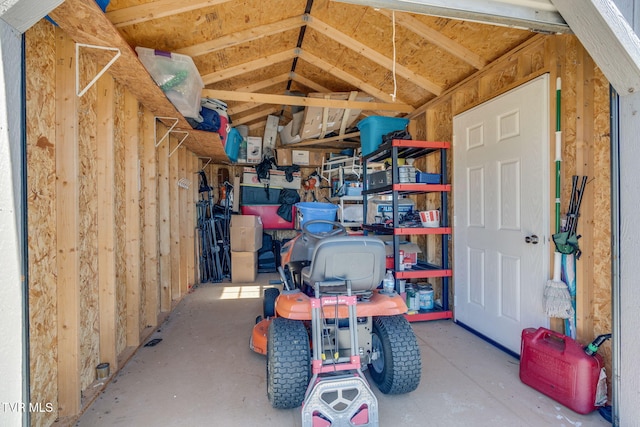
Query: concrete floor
(202, 373)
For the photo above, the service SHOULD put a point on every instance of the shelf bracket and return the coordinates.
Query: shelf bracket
(155, 131)
(186, 135)
(81, 92)
(208, 159)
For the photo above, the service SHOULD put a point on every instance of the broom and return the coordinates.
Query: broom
(557, 299)
(556, 296)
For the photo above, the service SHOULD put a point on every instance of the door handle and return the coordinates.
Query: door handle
(533, 239)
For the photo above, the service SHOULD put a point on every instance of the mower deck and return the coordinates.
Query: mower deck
(295, 305)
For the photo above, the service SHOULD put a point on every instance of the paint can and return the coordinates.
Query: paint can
(412, 297)
(425, 297)
(102, 371)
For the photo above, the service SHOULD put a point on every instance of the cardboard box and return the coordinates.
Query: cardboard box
(411, 250)
(288, 157)
(244, 267)
(254, 149)
(246, 233)
(277, 178)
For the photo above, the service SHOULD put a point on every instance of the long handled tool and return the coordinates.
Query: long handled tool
(556, 297)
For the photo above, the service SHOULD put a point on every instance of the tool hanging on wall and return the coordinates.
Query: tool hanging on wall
(556, 295)
(309, 185)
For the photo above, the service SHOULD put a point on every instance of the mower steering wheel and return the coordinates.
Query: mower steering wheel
(338, 229)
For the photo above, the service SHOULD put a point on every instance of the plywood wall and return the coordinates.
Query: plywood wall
(117, 302)
(41, 188)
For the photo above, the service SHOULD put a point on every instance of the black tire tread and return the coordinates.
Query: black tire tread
(402, 362)
(288, 363)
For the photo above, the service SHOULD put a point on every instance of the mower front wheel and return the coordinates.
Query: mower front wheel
(288, 363)
(396, 366)
(269, 302)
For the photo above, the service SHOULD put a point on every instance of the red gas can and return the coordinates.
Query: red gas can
(557, 366)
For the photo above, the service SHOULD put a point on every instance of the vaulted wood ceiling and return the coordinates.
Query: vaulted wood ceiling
(251, 53)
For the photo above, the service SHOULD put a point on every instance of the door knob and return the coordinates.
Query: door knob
(533, 239)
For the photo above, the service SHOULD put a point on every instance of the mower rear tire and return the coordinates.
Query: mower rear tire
(269, 302)
(398, 367)
(288, 363)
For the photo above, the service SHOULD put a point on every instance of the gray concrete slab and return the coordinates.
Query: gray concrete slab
(204, 374)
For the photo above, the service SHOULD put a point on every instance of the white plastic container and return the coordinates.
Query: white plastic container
(177, 76)
(388, 283)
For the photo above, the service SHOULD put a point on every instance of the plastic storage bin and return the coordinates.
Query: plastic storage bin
(308, 211)
(177, 76)
(373, 128)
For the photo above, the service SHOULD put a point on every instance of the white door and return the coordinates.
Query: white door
(501, 200)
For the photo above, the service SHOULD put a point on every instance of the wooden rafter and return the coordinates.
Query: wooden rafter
(436, 38)
(228, 95)
(255, 116)
(156, 9)
(240, 37)
(373, 55)
(247, 67)
(343, 75)
(308, 83)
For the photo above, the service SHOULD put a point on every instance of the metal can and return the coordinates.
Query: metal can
(412, 298)
(425, 297)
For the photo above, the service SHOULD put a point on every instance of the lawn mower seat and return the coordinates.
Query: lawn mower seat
(359, 259)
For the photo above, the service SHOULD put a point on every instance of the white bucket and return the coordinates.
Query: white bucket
(430, 218)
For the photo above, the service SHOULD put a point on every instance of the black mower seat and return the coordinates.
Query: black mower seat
(335, 260)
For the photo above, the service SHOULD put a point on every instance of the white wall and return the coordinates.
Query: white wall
(11, 285)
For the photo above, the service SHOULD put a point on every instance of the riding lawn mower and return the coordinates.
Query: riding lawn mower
(329, 323)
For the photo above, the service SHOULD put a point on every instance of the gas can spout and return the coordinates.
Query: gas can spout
(593, 347)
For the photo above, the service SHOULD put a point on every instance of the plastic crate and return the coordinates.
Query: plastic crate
(373, 128)
(177, 76)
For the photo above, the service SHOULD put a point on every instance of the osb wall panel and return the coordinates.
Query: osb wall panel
(602, 227)
(144, 286)
(119, 182)
(88, 239)
(41, 193)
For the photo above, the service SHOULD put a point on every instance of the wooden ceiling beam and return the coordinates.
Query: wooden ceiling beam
(255, 116)
(344, 76)
(156, 9)
(245, 36)
(436, 38)
(309, 83)
(247, 67)
(255, 87)
(228, 95)
(373, 55)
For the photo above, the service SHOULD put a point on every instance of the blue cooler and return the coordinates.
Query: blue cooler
(373, 128)
(308, 211)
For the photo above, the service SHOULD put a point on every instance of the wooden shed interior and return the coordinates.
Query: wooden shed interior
(111, 233)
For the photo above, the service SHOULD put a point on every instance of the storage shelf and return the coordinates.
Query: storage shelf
(410, 188)
(406, 231)
(403, 149)
(406, 148)
(426, 315)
